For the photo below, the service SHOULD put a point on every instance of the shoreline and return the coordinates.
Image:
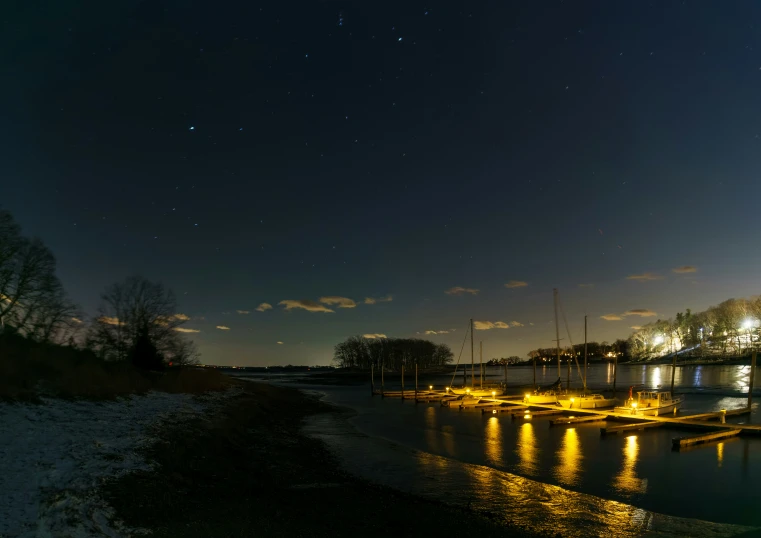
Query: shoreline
(247, 469)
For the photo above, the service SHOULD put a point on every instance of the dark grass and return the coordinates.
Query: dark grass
(247, 471)
(30, 369)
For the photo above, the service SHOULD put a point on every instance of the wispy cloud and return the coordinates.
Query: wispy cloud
(341, 302)
(184, 330)
(486, 325)
(280, 343)
(516, 284)
(243, 311)
(586, 285)
(181, 317)
(641, 312)
(223, 328)
(685, 269)
(108, 320)
(459, 290)
(77, 320)
(264, 307)
(373, 300)
(635, 327)
(516, 324)
(304, 304)
(373, 336)
(429, 332)
(644, 277)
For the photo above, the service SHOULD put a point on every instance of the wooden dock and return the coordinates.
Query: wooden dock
(675, 422)
(577, 420)
(527, 413)
(717, 414)
(679, 442)
(630, 427)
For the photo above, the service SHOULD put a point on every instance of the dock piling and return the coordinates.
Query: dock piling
(752, 378)
(416, 382)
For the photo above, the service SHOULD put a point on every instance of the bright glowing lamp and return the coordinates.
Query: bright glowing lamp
(430, 387)
(634, 405)
(493, 393)
(528, 395)
(747, 324)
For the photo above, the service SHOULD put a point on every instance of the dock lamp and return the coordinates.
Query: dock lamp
(430, 387)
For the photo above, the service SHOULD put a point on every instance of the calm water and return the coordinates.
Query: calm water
(561, 478)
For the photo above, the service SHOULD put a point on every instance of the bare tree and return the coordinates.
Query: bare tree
(137, 312)
(32, 299)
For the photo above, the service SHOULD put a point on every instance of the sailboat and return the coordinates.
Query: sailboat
(549, 394)
(466, 396)
(584, 400)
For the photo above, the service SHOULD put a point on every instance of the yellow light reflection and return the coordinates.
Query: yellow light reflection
(720, 453)
(493, 441)
(527, 449)
(431, 429)
(447, 437)
(657, 376)
(627, 481)
(569, 467)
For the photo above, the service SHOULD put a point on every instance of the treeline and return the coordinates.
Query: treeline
(137, 320)
(730, 328)
(595, 351)
(390, 353)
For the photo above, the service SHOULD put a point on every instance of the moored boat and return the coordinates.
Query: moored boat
(589, 401)
(650, 402)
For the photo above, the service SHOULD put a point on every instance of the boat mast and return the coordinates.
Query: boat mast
(481, 362)
(557, 330)
(472, 361)
(585, 354)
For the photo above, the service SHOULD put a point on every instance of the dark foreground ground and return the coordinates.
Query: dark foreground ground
(247, 471)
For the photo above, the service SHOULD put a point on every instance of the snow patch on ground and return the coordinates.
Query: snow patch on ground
(54, 456)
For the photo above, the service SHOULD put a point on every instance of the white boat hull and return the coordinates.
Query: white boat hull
(547, 399)
(583, 402)
(651, 411)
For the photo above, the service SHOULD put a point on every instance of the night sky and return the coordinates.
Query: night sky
(287, 152)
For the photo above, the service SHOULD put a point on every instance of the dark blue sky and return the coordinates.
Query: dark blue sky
(247, 153)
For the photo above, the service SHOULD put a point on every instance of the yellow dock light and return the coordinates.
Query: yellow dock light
(430, 387)
(634, 405)
(447, 389)
(494, 412)
(493, 393)
(528, 395)
(573, 400)
(467, 391)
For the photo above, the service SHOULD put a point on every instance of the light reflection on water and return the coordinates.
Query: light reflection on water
(569, 456)
(493, 442)
(544, 508)
(627, 481)
(527, 449)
